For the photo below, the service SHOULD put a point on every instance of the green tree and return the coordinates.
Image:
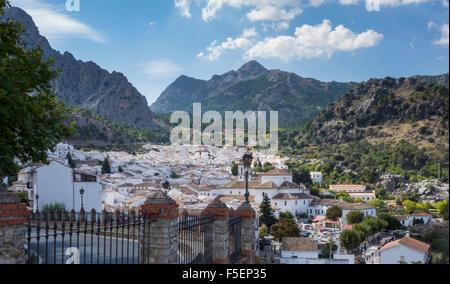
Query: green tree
(286, 215)
(364, 230)
(31, 120)
(392, 222)
(285, 228)
(329, 249)
(410, 206)
(334, 213)
(442, 208)
(267, 215)
(378, 203)
(302, 175)
(355, 217)
(263, 232)
(350, 240)
(70, 161)
(376, 224)
(23, 196)
(344, 196)
(234, 169)
(106, 166)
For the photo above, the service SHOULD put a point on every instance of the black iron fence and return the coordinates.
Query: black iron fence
(234, 228)
(86, 238)
(195, 238)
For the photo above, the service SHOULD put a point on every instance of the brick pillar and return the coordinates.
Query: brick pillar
(221, 238)
(248, 226)
(159, 241)
(13, 216)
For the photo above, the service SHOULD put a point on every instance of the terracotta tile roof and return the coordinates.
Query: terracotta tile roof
(251, 184)
(408, 242)
(344, 205)
(299, 244)
(277, 172)
(318, 218)
(292, 196)
(126, 185)
(347, 227)
(401, 217)
(421, 214)
(362, 193)
(229, 198)
(288, 185)
(347, 186)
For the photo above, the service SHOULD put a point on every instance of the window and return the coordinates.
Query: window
(285, 203)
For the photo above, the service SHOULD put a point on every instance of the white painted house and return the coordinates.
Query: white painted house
(277, 176)
(316, 177)
(348, 188)
(272, 183)
(406, 250)
(298, 250)
(296, 203)
(57, 182)
(320, 207)
(365, 196)
(408, 220)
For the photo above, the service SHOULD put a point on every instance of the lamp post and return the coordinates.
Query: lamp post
(82, 193)
(166, 186)
(37, 203)
(247, 159)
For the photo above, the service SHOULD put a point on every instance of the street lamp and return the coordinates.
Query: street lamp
(82, 193)
(247, 159)
(37, 203)
(166, 186)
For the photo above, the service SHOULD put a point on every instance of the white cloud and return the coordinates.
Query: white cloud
(444, 40)
(249, 33)
(445, 3)
(54, 23)
(161, 68)
(184, 7)
(316, 3)
(263, 10)
(348, 2)
(272, 13)
(313, 42)
(431, 24)
(215, 50)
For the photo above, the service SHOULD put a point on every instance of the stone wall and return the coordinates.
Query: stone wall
(159, 241)
(13, 217)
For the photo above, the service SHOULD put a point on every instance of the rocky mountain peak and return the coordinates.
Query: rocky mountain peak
(251, 68)
(85, 84)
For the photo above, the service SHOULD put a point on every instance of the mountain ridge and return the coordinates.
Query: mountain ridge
(86, 84)
(253, 87)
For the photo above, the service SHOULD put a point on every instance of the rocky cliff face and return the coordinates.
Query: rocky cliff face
(414, 109)
(85, 84)
(253, 87)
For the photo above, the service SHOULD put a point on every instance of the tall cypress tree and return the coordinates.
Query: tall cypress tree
(70, 161)
(267, 216)
(106, 167)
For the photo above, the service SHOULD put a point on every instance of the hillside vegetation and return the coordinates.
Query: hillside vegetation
(397, 126)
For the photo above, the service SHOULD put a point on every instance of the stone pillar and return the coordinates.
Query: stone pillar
(13, 217)
(159, 240)
(221, 238)
(248, 226)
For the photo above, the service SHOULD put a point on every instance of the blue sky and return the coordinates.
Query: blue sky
(154, 41)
